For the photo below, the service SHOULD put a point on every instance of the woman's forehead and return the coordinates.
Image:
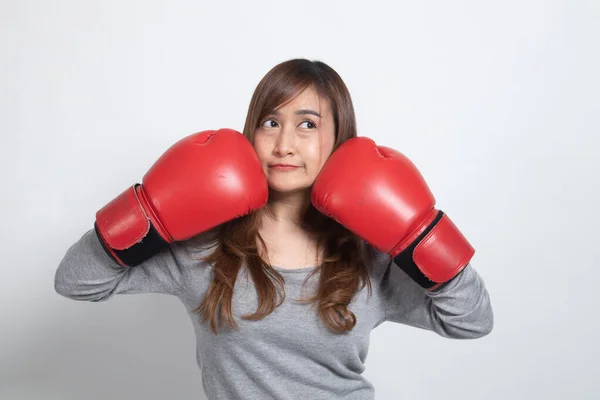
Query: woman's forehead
(306, 99)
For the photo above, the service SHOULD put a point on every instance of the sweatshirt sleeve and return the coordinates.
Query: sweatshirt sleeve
(87, 273)
(459, 309)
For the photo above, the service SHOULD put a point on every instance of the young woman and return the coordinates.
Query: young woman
(287, 245)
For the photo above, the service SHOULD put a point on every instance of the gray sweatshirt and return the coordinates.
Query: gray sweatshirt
(289, 354)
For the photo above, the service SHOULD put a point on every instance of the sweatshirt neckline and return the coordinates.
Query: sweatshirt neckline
(303, 270)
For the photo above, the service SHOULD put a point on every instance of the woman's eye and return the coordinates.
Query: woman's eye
(269, 123)
(311, 124)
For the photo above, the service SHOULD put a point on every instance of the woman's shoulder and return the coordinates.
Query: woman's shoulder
(186, 261)
(196, 249)
(377, 261)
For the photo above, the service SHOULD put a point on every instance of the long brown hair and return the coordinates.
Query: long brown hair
(343, 270)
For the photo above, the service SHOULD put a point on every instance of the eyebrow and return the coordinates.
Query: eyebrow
(301, 111)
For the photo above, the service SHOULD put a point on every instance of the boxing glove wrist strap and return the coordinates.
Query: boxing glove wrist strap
(126, 232)
(437, 255)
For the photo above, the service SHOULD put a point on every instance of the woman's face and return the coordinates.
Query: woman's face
(294, 142)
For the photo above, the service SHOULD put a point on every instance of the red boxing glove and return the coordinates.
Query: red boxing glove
(377, 193)
(202, 181)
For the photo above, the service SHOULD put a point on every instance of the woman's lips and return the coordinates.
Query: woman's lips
(283, 167)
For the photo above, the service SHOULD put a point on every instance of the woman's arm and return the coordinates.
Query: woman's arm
(458, 309)
(87, 273)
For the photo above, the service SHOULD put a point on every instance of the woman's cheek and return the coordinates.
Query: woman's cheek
(260, 146)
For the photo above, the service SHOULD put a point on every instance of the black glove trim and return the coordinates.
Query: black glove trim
(149, 246)
(404, 260)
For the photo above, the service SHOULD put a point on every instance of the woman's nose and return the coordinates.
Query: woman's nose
(286, 143)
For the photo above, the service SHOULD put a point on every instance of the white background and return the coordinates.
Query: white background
(497, 103)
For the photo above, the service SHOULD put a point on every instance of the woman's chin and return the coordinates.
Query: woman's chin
(288, 187)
